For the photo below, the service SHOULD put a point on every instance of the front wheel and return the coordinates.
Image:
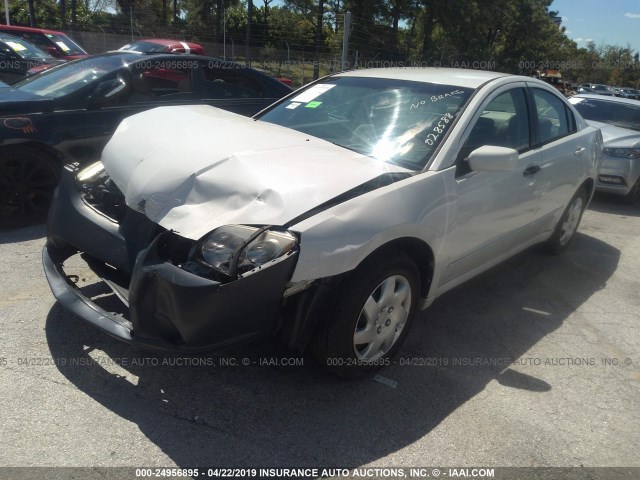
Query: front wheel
(371, 316)
(568, 224)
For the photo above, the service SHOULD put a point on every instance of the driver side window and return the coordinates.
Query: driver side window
(504, 122)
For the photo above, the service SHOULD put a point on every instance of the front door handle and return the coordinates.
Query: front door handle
(530, 170)
(579, 150)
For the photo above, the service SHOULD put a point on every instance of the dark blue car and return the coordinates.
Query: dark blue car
(67, 114)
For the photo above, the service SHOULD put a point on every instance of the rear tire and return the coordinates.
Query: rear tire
(370, 316)
(568, 224)
(28, 178)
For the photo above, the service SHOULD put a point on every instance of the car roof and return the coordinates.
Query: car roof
(131, 56)
(147, 56)
(6, 36)
(17, 28)
(167, 42)
(603, 98)
(448, 76)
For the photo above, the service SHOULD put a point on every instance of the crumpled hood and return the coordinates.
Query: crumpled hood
(195, 168)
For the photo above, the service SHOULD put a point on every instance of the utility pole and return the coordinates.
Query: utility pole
(6, 11)
(345, 40)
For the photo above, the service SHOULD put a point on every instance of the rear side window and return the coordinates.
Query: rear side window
(230, 83)
(160, 84)
(554, 120)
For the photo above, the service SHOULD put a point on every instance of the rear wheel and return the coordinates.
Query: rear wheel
(568, 224)
(27, 180)
(371, 317)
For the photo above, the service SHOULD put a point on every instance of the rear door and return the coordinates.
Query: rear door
(562, 152)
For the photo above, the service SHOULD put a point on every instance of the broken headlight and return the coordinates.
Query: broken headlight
(90, 173)
(100, 193)
(235, 249)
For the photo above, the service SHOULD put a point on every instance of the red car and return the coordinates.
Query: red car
(56, 44)
(163, 45)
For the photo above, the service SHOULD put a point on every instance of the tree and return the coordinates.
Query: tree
(32, 14)
(394, 11)
(335, 11)
(63, 13)
(247, 42)
(319, 24)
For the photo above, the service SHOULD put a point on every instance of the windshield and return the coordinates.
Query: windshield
(146, 47)
(24, 49)
(65, 44)
(396, 121)
(619, 114)
(70, 77)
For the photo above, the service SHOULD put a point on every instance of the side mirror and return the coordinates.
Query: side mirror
(490, 158)
(107, 91)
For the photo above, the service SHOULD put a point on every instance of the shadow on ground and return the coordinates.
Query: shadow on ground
(302, 416)
(22, 234)
(608, 203)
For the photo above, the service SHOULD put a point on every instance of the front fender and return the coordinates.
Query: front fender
(337, 240)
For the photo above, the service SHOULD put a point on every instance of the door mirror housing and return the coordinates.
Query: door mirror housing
(107, 91)
(490, 158)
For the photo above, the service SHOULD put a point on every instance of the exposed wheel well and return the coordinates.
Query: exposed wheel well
(589, 185)
(416, 249)
(303, 313)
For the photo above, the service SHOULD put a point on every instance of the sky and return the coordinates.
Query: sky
(613, 22)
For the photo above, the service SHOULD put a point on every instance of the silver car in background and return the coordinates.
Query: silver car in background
(619, 121)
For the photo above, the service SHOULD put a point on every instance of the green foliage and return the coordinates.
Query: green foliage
(46, 13)
(515, 36)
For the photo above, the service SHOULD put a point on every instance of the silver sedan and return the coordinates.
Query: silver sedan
(330, 218)
(619, 121)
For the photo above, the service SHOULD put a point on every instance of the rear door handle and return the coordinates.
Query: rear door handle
(530, 170)
(579, 150)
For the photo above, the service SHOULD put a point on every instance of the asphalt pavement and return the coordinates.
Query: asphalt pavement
(534, 363)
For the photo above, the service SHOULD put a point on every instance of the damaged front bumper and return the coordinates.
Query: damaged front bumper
(165, 305)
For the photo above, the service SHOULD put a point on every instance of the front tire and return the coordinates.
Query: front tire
(370, 317)
(568, 224)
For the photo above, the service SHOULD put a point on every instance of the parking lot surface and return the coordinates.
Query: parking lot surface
(534, 363)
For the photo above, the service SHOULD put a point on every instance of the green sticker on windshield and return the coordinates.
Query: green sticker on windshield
(312, 104)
